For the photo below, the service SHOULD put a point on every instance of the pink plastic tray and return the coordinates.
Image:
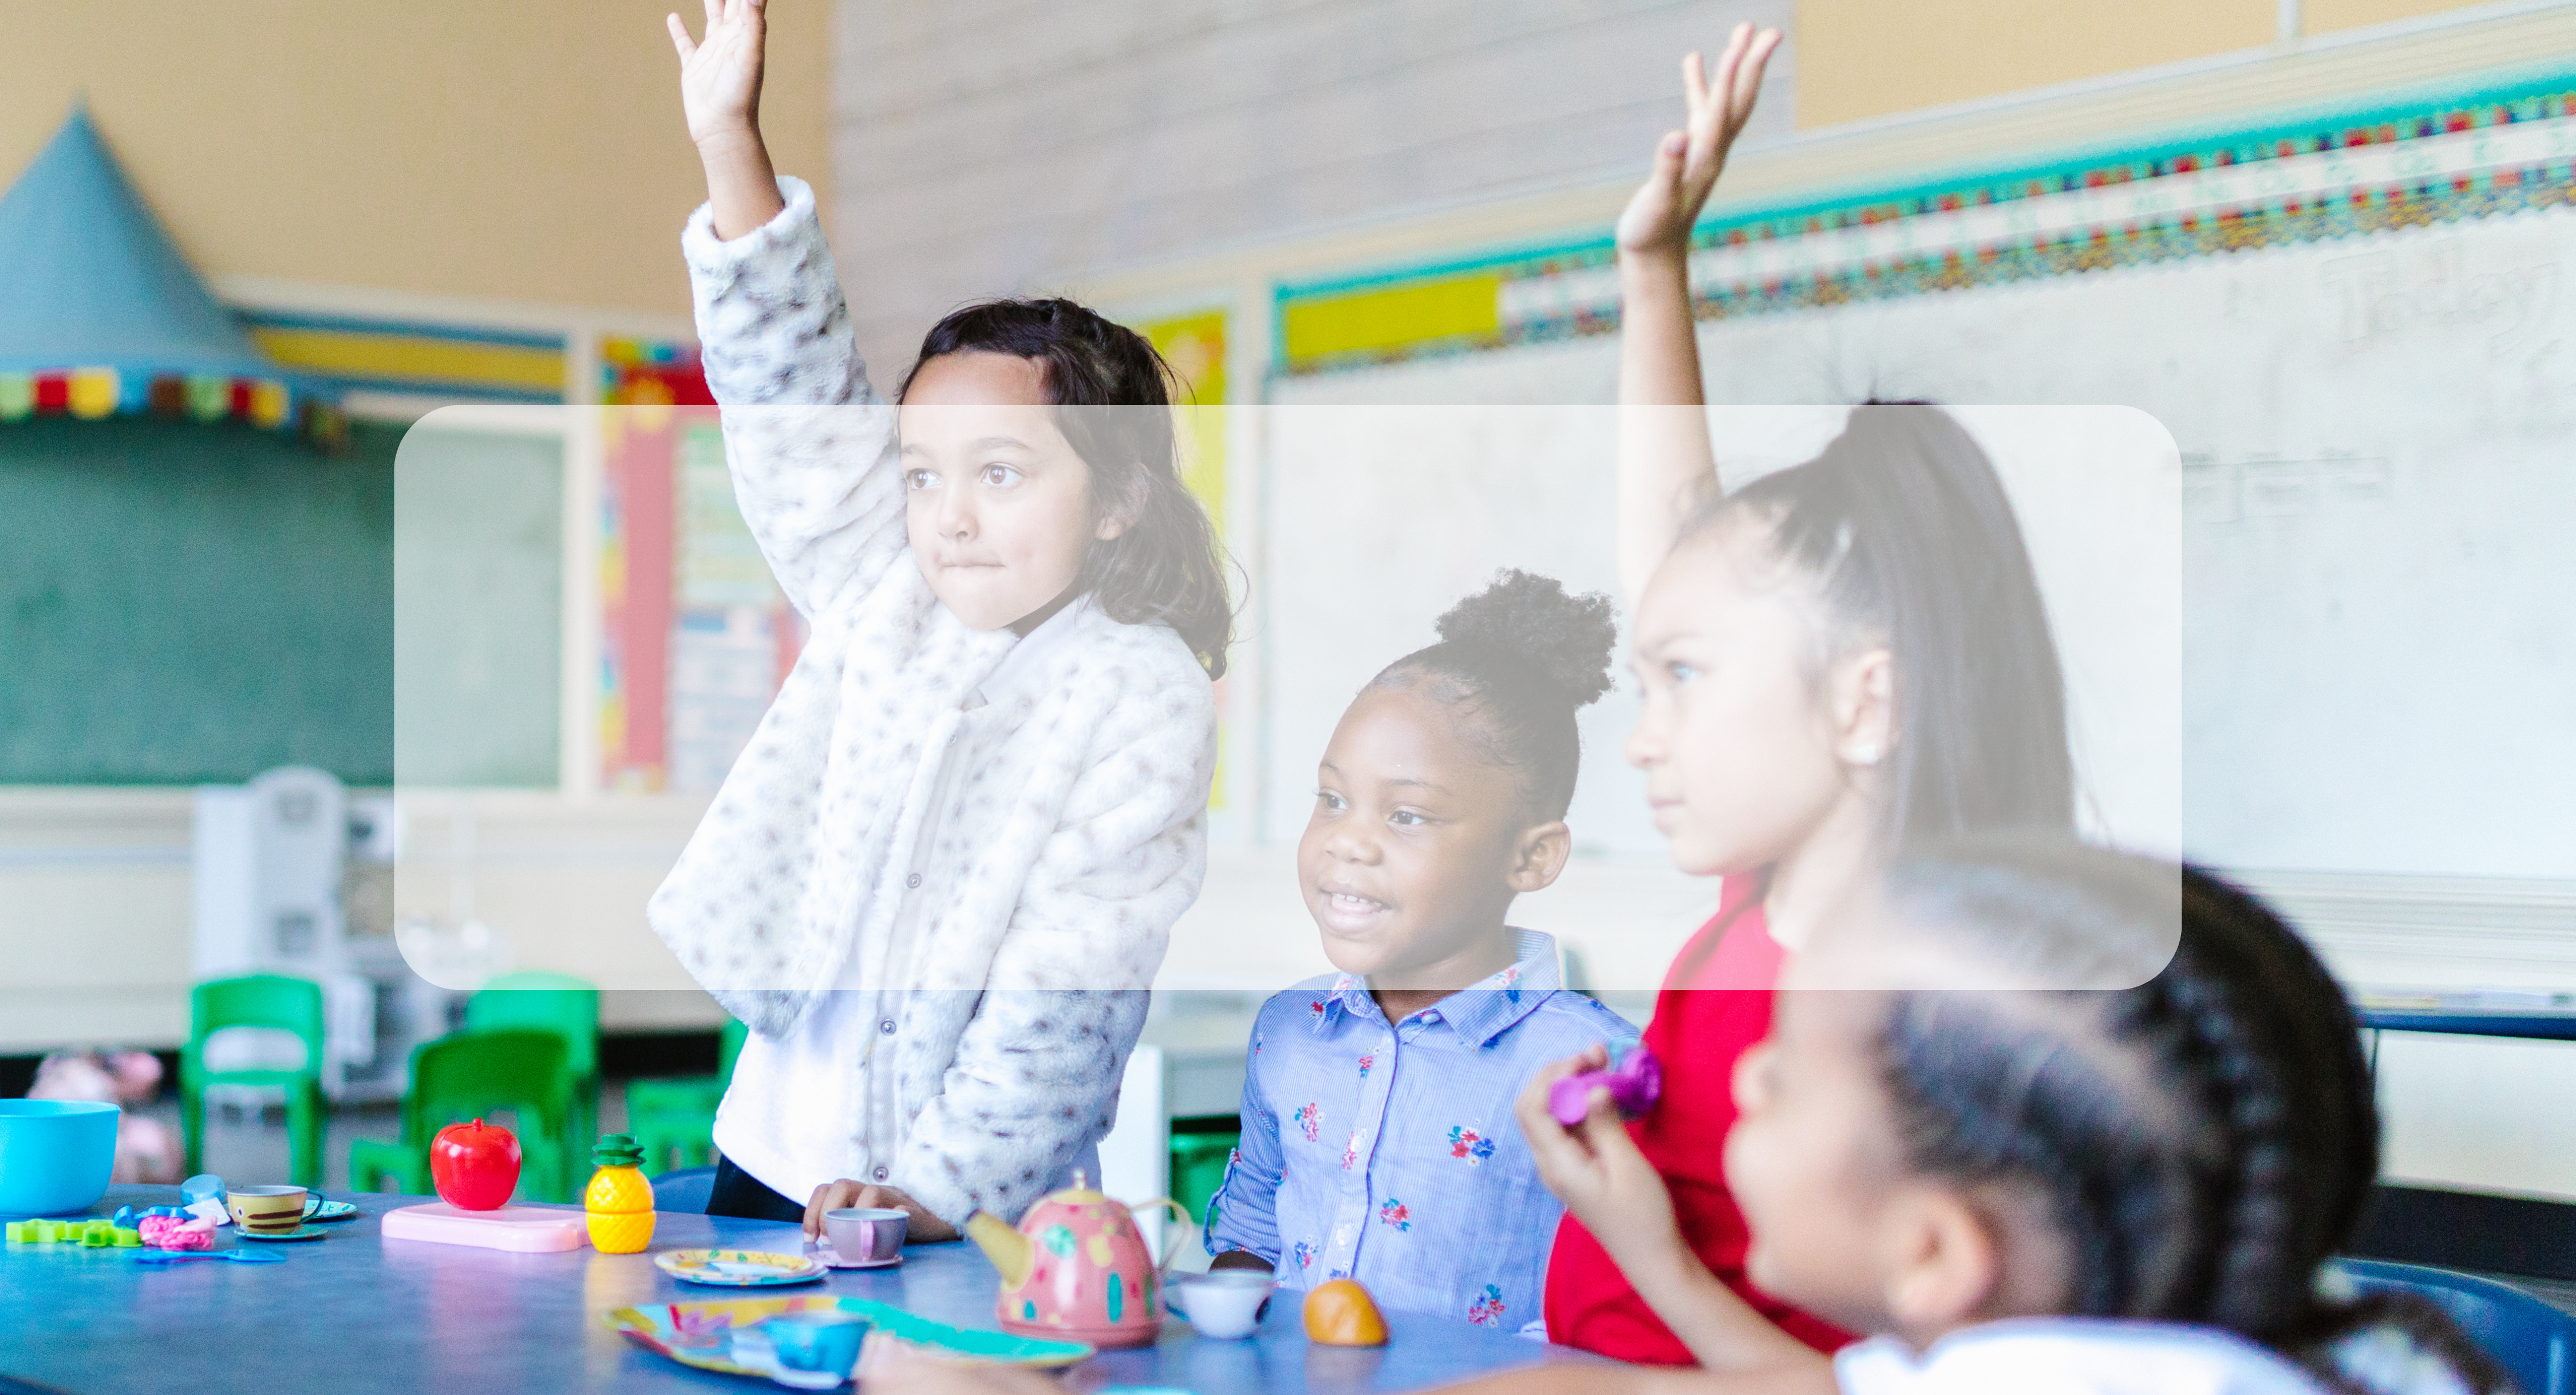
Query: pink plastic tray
(527, 1229)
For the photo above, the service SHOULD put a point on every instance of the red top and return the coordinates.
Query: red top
(1715, 1004)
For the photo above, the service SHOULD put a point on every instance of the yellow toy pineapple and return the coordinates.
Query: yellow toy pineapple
(619, 1200)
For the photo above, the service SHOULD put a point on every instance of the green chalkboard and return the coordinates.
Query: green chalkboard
(184, 603)
(478, 608)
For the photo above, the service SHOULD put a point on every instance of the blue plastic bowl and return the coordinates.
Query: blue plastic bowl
(55, 1155)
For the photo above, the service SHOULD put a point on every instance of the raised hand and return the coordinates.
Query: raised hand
(720, 93)
(720, 73)
(1660, 214)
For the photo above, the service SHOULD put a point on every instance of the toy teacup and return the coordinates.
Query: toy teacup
(266, 1210)
(1221, 1303)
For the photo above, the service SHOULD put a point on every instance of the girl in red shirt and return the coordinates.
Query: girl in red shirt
(1839, 660)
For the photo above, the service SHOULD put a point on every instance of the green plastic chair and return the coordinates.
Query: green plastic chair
(674, 1120)
(258, 1000)
(475, 1075)
(566, 1006)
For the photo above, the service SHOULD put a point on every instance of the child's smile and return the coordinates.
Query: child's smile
(1408, 863)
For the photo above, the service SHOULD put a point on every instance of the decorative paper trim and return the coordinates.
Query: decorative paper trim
(96, 393)
(2323, 178)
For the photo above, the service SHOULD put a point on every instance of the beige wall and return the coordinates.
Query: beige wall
(1864, 58)
(2328, 16)
(482, 149)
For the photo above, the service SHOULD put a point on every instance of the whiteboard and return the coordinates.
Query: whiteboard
(2376, 671)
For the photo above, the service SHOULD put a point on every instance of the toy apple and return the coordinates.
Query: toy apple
(474, 1166)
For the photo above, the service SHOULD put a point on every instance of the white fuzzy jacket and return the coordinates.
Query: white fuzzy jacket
(1075, 831)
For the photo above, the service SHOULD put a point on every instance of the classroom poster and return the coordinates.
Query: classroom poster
(1194, 345)
(695, 635)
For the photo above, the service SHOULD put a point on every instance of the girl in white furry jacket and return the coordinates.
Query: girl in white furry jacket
(939, 879)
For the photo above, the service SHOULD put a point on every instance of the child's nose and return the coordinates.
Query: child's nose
(956, 514)
(1644, 747)
(1349, 845)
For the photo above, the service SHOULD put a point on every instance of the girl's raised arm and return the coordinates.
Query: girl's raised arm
(1664, 456)
(720, 92)
(811, 446)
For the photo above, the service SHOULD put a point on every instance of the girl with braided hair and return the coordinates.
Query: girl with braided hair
(2025, 1185)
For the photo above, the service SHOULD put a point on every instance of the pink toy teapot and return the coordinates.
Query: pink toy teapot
(1076, 1268)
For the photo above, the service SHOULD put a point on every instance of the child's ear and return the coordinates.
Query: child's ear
(1538, 856)
(1864, 699)
(1946, 1266)
(1120, 514)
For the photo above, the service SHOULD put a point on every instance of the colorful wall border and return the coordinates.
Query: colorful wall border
(2438, 155)
(365, 354)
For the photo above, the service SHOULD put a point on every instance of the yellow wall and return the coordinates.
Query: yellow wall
(484, 149)
(1864, 58)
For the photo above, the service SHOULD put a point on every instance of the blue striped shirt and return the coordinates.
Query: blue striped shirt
(1389, 1154)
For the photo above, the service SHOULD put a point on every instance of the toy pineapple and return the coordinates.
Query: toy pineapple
(619, 1200)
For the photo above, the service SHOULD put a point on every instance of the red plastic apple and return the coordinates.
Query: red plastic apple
(474, 1166)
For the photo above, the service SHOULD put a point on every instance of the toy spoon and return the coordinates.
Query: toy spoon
(236, 1256)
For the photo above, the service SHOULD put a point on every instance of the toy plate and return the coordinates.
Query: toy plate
(701, 1334)
(302, 1232)
(316, 1209)
(738, 1268)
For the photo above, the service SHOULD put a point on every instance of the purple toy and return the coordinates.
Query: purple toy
(1635, 1083)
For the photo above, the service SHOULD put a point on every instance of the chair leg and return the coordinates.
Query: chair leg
(192, 1125)
(305, 1117)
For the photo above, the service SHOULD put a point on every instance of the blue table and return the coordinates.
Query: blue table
(356, 1312)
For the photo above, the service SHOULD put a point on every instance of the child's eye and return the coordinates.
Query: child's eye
(1328, 799)
(1000, 475)
(1681, 672)
(920, 479)
(1406, 818)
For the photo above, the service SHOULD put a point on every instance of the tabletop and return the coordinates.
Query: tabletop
(356, 1312)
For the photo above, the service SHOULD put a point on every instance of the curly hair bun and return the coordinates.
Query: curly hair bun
(1568, 638)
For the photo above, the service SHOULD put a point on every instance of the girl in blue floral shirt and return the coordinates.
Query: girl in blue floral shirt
(1378, 1137)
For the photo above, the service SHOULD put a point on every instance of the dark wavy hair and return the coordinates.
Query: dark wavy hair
(1903, 528)
(1167, 566)
(2204, 1141)
(1514, 661)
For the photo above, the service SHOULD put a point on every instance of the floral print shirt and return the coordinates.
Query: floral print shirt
(1387, 1152)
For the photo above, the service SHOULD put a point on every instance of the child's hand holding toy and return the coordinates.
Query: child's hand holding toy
(1592, 1164)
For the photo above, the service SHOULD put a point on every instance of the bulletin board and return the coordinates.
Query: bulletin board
(2356, 324)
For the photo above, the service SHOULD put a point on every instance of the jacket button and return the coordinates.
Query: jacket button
(913, 881)
(880, 1173)
(887, 1026)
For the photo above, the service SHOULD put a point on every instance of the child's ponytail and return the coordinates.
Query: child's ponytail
(1903, 531)
(1166, 566)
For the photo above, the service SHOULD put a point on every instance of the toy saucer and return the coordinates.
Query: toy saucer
(823, 1253)
(316, 1209)
(738, 1268)
(302, 1232)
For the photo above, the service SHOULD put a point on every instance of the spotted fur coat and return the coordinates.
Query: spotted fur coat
(1069, 838)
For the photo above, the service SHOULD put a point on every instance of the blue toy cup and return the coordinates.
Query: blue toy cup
(55, 1155)
(826, 1340)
